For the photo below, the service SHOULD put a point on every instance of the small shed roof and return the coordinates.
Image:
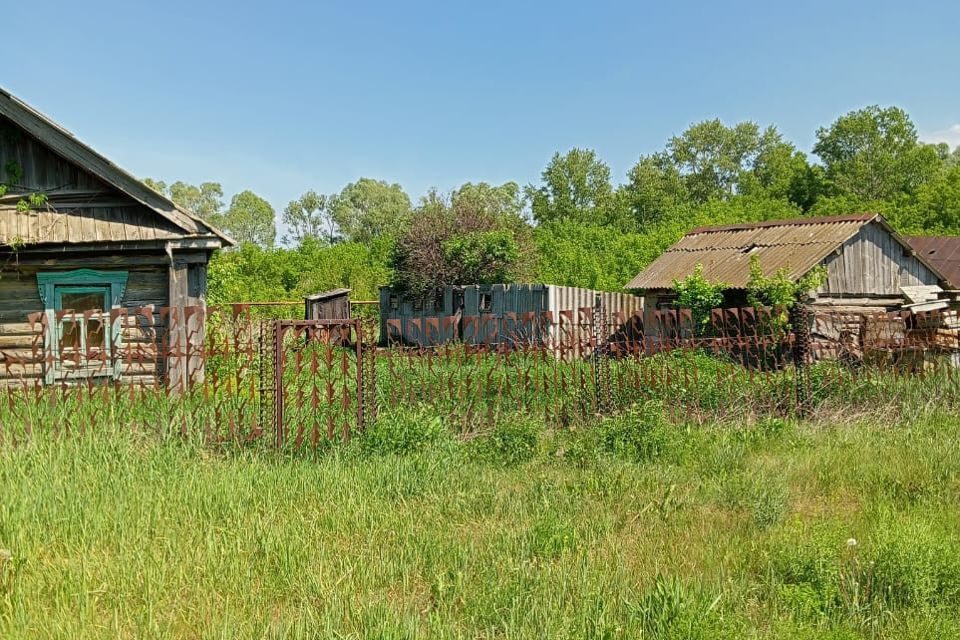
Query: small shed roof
(797, 245)
(174, 220)
(943, 252)
(326, 295)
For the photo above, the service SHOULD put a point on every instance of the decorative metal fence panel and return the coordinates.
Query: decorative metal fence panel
(232, 375)
(319, 383)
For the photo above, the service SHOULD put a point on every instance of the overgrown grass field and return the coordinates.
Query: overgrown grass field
(631, 526)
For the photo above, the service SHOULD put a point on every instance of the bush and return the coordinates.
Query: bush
(512, 441)
(403, 431)
(638, 435)
(699, 295)
(672, 608)
(915, 564)
(763, 495)
(551, 536)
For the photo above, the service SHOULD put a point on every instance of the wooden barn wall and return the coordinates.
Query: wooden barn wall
(873, 263)
(147, 284)
(81, 207)
(423, 321)
(618, 307)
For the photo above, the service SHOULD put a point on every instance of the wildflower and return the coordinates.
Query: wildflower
(852, 542)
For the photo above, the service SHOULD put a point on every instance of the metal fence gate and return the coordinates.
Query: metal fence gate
(320, 389)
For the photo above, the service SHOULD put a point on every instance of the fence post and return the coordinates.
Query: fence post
(361, 378)
(800, 326)
(370, 376)
(601, 365)
(266, 347)
(278, 399)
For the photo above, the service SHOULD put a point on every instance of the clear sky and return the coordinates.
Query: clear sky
(287, 96)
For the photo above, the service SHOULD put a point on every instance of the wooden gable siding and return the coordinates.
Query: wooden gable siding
(873, 263)
(21, 346)
(80, 206)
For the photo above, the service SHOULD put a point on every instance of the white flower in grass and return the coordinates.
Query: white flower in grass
(851, 542)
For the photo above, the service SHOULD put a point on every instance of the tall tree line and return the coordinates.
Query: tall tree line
(577, 225)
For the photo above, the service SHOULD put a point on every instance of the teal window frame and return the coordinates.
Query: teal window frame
(81, 320)
(51, 286)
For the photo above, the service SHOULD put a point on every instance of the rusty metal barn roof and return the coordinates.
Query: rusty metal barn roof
(943, 252)
(725, 251)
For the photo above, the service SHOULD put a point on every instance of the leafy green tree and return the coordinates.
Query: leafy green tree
(205, 200)
(484, 257)
(460, 240)
(250, 219)
(838, 205)
(699, 295)
(714, 159)
(369, 208)
(935, 209)
(362, 267)
(157, 185)
(954, 158)
(309, 217)
(251, 273)
(654, 188)
(711, 161)
(874, 154)
(782, 172)
(576, 186)
(502, 200)
(597, 257)
(607, 257)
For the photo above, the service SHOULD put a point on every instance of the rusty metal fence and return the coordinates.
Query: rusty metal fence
(319, 384)
(234, 376)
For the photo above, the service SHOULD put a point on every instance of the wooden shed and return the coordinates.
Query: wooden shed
(329, 305)
(867, 262)
(92, 261)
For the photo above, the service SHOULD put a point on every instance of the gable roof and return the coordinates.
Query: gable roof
(943, 252)
(64, 144)
(798, 245)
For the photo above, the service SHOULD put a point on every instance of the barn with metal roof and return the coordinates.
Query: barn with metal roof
(867, 262)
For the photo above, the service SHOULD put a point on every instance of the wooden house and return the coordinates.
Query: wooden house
(92, 262)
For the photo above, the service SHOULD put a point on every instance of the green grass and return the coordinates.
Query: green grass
(633, 526)
(477, 388)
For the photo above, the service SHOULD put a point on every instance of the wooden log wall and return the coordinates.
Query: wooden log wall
(21, 343)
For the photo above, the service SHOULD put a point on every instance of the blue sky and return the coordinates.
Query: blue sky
(284, 97)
